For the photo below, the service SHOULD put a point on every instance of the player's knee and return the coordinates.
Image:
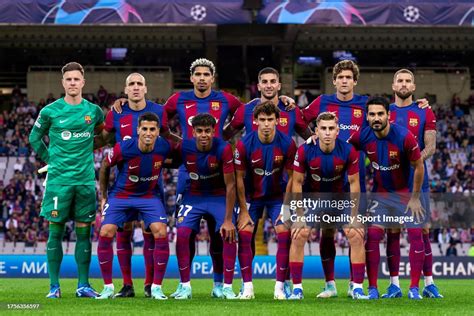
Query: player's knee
(302, 237)
(158, 230)
(108, 231)
(356, 239)
(281, 229)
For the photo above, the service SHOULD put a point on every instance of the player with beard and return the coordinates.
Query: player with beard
(422, 123)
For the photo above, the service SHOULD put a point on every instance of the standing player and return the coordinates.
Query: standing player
(269, 85)
(392, 149)
(124, 126)
(261, 158)
(70, 123)
(136, 189)
(211, 194)
(323, 167)
(422, 123)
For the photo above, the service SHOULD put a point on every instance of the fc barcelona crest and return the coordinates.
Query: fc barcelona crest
(215, 106)
(88, 119)
(54, 213)
(157, 165)
(339, 167)
(357, 113)
(283, 121)
(393, 154)
(413, 122)
(278, 158)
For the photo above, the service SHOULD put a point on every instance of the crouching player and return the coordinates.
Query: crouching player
(322, 167)
(210, 165)
(260, 159)
(139, 161)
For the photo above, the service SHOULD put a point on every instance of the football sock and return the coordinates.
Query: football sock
(282, 255)
(83, 254)
(215, 250)
(358, 270)
(105, 253)
(183, 253)
(372, 252)
(393, 255)
(296, 269)
(229, 254)
(124, 255)
(428, 262)
(161, 255)
(245, 255)
(416, 255)
(148, 249)
(54, 252)
(327, 249)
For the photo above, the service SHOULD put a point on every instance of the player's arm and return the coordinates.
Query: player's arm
(118, 104)
(236, 124)
(298, 175)
(310, 113)
(414, 155)
(301, 127)
(227, 229)
(40, 129)
(289, 103)
(174, 158)
(429, 135)
(353, 178)
(240, 171)
(104, 176)
(99, 141)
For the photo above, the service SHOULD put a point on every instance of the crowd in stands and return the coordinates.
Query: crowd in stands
(450, 170)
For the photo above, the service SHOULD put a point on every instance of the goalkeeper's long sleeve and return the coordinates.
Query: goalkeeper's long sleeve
(36, 141)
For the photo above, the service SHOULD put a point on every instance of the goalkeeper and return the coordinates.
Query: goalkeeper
(70, 124)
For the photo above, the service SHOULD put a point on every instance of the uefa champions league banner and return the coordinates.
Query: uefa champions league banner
(35, 266)
(123, 11)
(368, 12)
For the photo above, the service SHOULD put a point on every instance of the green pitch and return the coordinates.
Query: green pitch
(458, 300)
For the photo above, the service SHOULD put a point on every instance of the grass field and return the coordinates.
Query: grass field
(459, 300)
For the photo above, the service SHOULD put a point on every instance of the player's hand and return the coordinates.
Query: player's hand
(244, 220)
(289, 103)
(297, 229)
(416, 209)
(228, 231)
(423, 103)
(118, 104)
(43, 169)
(312, 139)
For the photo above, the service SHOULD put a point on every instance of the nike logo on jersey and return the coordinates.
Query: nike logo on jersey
(62, 121)
(190, 163)
(254, 161)
(92, 215)
(162, 218)
(132, 167)
(52, 248)
(370, 152)
(419, 251)
(124, 125)
(314, 168)
(190, 106)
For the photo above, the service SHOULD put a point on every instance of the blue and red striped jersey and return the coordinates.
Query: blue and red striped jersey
(351, 115)
(206, 169)
(326, 172)
(138, 172)
(390, 156)
(186, 105)
(289, 122)
(264, 164)
(417, 121)
(125, 124)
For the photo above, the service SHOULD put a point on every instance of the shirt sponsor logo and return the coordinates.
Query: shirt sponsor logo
(318, 178)
(133, 178)
(353, 127)
(195, 176)
(127, 137)
(66, 135)
(376, 166)
(265, 173)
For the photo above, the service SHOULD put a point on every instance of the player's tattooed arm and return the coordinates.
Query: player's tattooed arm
(354, 185)
(430, 144)
(229, 132)
(170, 136)
(104, 175)
(227, 229)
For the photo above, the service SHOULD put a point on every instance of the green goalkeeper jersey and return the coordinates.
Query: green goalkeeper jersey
(70, 129)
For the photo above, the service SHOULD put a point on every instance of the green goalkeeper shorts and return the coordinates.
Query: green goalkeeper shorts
(62, 203)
